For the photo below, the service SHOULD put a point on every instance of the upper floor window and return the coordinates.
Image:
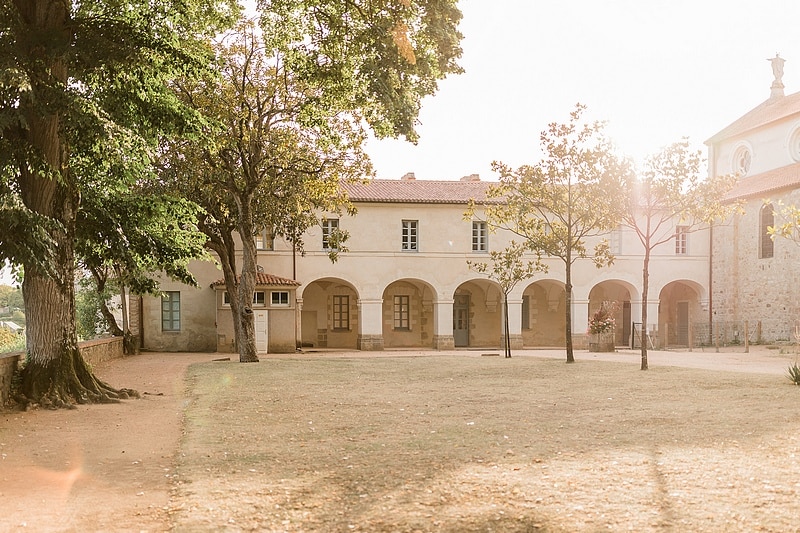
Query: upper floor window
(681, 240)
(410, 235)
(265, 239)
(615, 241)
(171, 311)
(329, 227)
(341, 311)
(741, 160)
(480, 237)
(766, 244)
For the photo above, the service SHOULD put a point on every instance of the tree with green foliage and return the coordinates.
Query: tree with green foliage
(126, 237)
(287, 121)
(84, 98)
(667, 199)
(571, 195)
(508, 268)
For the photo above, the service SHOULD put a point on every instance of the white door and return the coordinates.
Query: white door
(261, 331)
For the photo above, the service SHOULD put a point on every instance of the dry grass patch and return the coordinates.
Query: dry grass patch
(485, 444)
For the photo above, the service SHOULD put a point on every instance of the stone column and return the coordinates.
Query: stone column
(370, 325)
(580, 323)
(443, 325)
(514, 325)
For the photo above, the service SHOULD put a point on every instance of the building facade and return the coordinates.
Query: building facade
(755, 279)
(404, 280)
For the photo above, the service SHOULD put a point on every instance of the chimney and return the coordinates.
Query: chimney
(408, 176)
(471, 177)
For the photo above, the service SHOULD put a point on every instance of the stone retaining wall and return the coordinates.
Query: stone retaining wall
(94, 352)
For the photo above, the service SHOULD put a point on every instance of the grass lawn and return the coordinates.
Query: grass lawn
(470, 443)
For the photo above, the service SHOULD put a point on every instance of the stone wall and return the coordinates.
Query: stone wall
(764, 292)
(94, 352)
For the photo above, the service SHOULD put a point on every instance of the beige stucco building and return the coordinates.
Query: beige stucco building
(404, 280)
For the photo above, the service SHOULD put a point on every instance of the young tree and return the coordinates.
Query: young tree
(508, 268)
(76, 99)
(667, 197)
(569, 196)
(289, 108)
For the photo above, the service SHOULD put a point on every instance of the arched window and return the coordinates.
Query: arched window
(766, 244)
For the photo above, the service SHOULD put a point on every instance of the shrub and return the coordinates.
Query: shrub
(793, 373)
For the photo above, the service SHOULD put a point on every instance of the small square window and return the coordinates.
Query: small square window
(259, 298)
(341, 311)
(171, 311)
(280, 298)
(265, 240)
(681, 240)
(480, 237)
(401, 312)
(329, 227)
(410, 235)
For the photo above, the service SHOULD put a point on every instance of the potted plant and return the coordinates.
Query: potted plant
(601, 329)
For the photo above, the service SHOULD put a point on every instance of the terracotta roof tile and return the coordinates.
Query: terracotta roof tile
(263, 278)
(766, 183)
(418, 191)
(768, 111)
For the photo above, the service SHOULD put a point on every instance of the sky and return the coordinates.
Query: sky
(656, 71)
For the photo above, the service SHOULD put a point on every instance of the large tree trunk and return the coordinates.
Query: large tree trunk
(248, 351)
(55, 374)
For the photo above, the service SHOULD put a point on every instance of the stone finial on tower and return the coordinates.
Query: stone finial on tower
(777, 71)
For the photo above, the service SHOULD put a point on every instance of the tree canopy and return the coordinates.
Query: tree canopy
(668, 198)
(84, 98)
(287, 118)
(555, 205)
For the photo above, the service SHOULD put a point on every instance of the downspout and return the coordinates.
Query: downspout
(712, 171)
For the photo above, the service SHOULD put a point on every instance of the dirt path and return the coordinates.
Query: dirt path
(102, 467)
(112, 467)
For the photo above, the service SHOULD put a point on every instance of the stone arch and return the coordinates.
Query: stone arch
(618, 294)
(680, 307)
(544, 314)
(478, 314)
(407, 314)
(329, 316)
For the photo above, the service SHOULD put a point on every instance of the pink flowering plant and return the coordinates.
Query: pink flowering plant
(602, 321)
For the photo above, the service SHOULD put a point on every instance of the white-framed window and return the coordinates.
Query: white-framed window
(681, 240)
(410, 235)
(259, 298)
(766, 247)
(280, 298)
(480, 236)
(402, 312)
(171, 311)
(341, 311)
(265, 240)
(329, 226)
